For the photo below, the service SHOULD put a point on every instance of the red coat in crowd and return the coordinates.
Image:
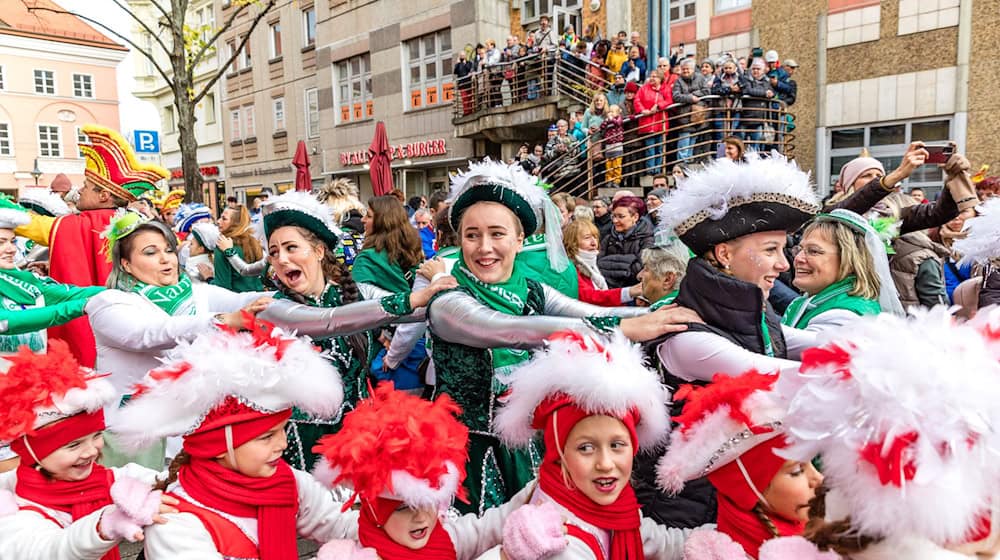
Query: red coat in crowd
(611, 297)
(659, 99)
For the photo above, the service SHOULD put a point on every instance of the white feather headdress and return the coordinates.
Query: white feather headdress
(44, 201)
(301, 209)
(266, 370)
(982, 241)
(904, 413)
(600, 377)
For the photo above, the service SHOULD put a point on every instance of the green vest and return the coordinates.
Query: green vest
(535, 261)
(835, 296)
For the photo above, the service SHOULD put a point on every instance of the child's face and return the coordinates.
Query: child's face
(598, 457)
(614, 111)
(259, 457)
(75, 461)
(791, 489)
(411, 528)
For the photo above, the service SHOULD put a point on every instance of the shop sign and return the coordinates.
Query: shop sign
(206, 171)
(424, 148)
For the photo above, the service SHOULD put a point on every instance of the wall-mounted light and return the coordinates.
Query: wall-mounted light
(595, 5)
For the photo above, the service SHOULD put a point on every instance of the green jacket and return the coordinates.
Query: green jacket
(536, 261)
(804, 309)
(29, 305)
(227, 277)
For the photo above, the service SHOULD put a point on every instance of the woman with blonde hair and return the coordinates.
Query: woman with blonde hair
(234, 223)
(580, 238)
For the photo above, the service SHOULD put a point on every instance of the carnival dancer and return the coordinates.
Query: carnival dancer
(151, 306)
(201, 244)
(29, 304)
(234, 223)
(731, 432)
(483, 331)
(169, 206)
(113, 178)
(341, 195)
(908, 476)
(841, 265)
(404, 457)
(592, 424)
(319, 298)
(43, 202)
(63, 503)
(229, 395)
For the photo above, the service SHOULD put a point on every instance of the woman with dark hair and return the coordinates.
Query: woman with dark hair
(234, 223)
(619, 257)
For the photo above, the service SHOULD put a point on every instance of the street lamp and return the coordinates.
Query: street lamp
(36, 172)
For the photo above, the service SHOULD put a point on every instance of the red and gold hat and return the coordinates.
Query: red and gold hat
(112, 164)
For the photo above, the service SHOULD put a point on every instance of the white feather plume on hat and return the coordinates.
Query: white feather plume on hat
(905, 414)
(982, 241)
(268, 372)
(600, 377)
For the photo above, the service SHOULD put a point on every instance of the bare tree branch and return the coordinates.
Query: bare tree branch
(137, 19)
(199, 56)
(246, 38)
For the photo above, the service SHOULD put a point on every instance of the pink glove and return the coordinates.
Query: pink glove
(534, 532)
(340, 549)
(793, 548)
(8, 503)
(708, 544)
(135, 504)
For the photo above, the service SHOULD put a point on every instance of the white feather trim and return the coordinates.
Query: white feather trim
(325, 473)
(598, 384)
(923, 375)
(305, 203)
(45, 198)
(223, 365)
(419, 494)
(10, 218)
(715, 186)
(98, 394)
(982, 242)
(513, 176)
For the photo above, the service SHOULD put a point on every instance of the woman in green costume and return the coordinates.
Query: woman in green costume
(319, 298)
(842, 267)
(484, 330)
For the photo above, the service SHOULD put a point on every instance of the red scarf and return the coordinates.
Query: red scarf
(75, 498)
(274, 501)
(621, 518)
(747, 529)
(370, 533)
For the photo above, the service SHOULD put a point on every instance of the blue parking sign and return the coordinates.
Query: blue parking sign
(146, 141)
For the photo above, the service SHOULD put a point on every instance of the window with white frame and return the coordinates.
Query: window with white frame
(429, 77)
(1, 78)
(48, 141)
(209, 108)
(245, 60)
(45, 82)
(235, 125)
(81, 140)
(275, 35)
(147, 39)
(724, 5)
(83, 85)
(887, 142)
(169, 124)
(249, 122)
(230, 50)
(309, 26)
(206, 22)
(312, 113)
(531, 10)
(681, 9)
(278, 106)
(353, 77)
(6, 146)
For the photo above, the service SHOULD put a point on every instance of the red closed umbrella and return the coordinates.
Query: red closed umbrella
(378, 160)
(303, 178)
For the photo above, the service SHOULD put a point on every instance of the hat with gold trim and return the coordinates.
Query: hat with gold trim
(112, 164)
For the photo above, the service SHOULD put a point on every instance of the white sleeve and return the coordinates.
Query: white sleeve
(407, 334)
(183, 537)
(473, 535)
(320, 518)
(830, 319)
(694, 355)
(221, 300)
(122, 324)
(797, 340)
(662, 543)
(28, 535)
(139, 472)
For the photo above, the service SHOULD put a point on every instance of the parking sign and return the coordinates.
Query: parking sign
(146, 141)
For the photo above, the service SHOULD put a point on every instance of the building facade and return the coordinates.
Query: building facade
(56, 74)
(150, 86)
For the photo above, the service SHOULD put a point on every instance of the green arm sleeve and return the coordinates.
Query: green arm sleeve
(54, 292)
(24, 321)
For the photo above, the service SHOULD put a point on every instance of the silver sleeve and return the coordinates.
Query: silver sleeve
(241, 266)
(371, 291)
(556, 303)
(324, 322)
(458, 317)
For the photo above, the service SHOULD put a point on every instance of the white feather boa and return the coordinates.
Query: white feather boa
(982, 242)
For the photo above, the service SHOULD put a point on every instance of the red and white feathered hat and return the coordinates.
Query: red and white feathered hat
(595, 376)
(905, 414)
(38, 390)
(398, 446)
(719, 424)
(225, 386)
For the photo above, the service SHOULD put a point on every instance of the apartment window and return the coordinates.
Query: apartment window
(531, 10)
(312, 113)
(249, 123)
(235, 127)
(681, 10)
(925, 15)
(209, 108)
(83, 85)
(169, 125)
(1, 79)
(81, 140)
(887, 142)
(148, 41)
(206, 22)
(275, 39)
(245, 61)
(429, 79)
(48, 141)
(6, 146)
(230, 51)
(723, 5)
(278, 104)
(45, 82)
(354, 88)
(309, 26)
